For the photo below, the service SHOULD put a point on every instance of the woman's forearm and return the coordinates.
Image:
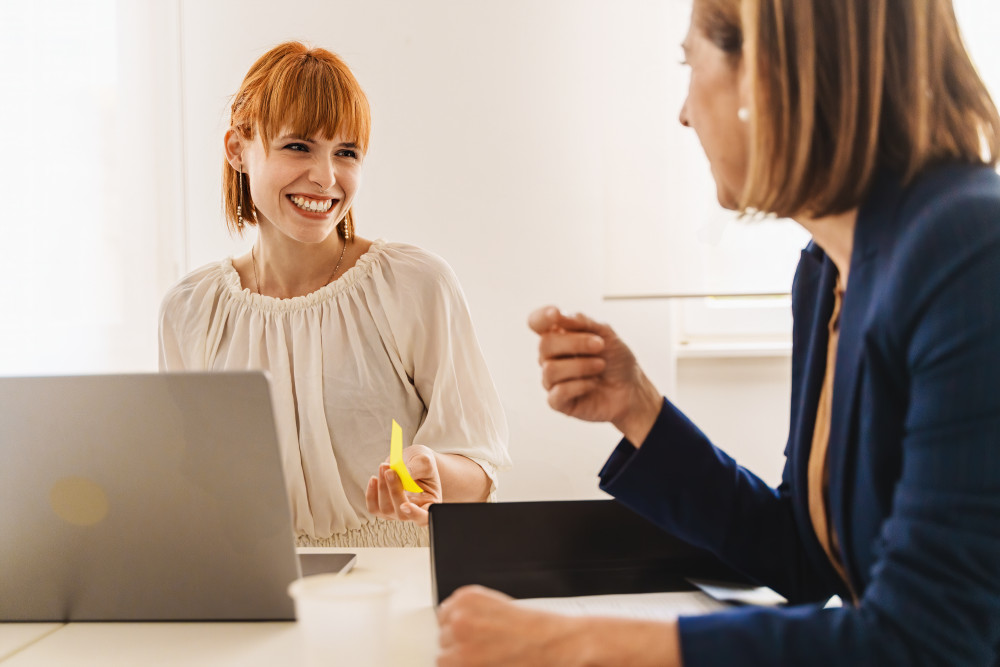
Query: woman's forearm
(462, 479)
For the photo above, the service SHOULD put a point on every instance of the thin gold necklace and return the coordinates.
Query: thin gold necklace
(256, 283)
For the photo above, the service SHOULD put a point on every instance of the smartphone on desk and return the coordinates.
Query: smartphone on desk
(326, 563)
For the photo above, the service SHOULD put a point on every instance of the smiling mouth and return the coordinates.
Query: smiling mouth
(311, 205)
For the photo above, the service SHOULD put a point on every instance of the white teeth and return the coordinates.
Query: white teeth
(314, 205)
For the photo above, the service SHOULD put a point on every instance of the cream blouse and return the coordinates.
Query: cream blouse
(390, 339)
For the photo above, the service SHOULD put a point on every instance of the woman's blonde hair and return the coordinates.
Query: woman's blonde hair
(306, 91)
(841, 89)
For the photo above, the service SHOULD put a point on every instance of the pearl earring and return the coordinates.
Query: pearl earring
(743, 114)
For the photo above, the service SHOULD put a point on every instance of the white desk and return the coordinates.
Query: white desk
(413, 639)
(16, 636)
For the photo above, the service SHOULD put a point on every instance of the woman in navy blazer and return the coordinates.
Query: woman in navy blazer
(865, 121)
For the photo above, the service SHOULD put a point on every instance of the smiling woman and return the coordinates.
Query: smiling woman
(354, 333)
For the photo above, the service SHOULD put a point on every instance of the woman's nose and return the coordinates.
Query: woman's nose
(323, 174)
(683, 117)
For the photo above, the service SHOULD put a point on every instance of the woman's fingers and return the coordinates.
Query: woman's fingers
(564, 396)
(568, 344)
(385, 496)
(384, 493)
(394, 495)
(470, 598)
(371, 495)
(415, 513)
(544, 319)
(557, 371)
(549, 318)
(419, 462)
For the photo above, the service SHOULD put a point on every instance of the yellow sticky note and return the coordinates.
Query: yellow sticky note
(396, 459)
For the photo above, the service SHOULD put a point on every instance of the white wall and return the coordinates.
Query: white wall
(494, 145)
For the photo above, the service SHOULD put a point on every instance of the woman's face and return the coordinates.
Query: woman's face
(303, 186)
(710, 109)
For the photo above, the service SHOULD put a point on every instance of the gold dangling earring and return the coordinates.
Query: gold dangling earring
(348, 226)
(239, 205)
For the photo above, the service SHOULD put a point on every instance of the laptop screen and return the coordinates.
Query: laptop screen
(142, 497)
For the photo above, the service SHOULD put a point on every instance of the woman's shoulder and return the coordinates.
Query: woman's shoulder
(409, 255)
(941, 194)
(942, 241)
(945, 209)
(215, 277)
(416, 265)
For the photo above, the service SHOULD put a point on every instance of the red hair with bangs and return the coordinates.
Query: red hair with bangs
(306, 91)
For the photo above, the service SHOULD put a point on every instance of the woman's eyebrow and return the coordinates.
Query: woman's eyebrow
(296, 137)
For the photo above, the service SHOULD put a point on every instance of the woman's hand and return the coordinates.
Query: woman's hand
(590, 374)
(481, 627)
(386, 497)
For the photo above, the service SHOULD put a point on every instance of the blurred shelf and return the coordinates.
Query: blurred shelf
(734, 349)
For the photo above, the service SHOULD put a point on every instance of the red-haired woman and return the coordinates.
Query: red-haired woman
(354, 333)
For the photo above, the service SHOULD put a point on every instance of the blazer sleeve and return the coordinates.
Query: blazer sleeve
(680, 481)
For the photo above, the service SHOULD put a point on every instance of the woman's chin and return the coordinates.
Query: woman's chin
(727, 199)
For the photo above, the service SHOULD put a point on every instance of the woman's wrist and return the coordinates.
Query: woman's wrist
(620, 641)
(643, 410)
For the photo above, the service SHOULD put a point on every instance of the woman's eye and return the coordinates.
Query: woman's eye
(347, 152)
(297, 147)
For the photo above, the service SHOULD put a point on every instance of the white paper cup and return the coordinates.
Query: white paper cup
(343, 619)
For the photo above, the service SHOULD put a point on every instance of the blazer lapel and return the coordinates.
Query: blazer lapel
(812, 303)
(873, 235)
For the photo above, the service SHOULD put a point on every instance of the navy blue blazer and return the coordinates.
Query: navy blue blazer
(914, 452)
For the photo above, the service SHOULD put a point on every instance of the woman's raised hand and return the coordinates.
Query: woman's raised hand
(385, 496)
(590, 374)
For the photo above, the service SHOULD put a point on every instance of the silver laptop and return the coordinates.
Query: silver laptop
(144, 497)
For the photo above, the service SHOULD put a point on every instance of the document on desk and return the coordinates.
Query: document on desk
(640, 606)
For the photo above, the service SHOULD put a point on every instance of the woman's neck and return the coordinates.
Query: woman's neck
(835, 235)
(284, 268)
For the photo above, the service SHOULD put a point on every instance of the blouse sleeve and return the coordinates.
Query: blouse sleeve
(185, 314)
(433, 331)
(171, 357)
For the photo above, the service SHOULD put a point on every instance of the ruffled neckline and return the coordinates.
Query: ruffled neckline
(361, 269)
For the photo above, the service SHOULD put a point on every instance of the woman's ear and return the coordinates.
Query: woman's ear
(234, 144)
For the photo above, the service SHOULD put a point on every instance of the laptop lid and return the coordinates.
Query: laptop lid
(142, 497)
(560, 549)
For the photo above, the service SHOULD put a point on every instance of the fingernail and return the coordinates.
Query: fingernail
(405, 509)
